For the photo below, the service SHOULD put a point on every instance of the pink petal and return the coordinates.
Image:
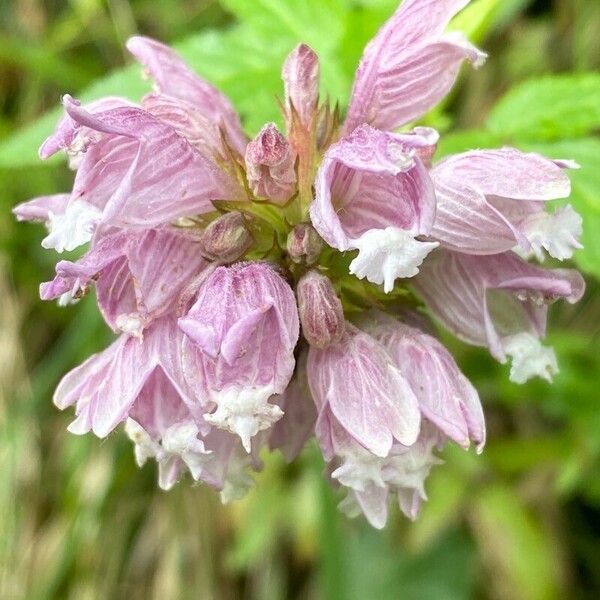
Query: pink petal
(38, 209)
(409, 66)
(174, 77)
(366, 393)
(372, 180)
(155, 178)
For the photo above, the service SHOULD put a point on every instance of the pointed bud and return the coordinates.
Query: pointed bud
(270, 165)
(304, 244)
(226, 239)
(321, 312)
(301, 83)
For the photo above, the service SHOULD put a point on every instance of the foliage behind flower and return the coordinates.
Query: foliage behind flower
(209, 367)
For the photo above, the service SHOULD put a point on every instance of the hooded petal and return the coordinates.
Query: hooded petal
(409, 66)
(365, 392)
(139, 275)
(486, 299)
(151, 177)
(105, 387)
(446, 398)
(173, 77)
(372, 180)
(491, 200)
(240, 339)
(373, 193)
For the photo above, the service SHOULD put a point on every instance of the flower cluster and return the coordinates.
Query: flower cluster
(210, 253)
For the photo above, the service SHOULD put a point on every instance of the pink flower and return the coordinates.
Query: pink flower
(208, 251)
(138, 173)
(501, 302)
(239, 345)
(357, 380)
(105, 387)
(490, 201)
(374, 194)
(446, 397)
(139, 276)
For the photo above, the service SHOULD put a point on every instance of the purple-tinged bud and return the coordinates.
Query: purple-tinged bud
(304, 244)
(320, 310)
(226, 239)
(270, 165)
(301, 82)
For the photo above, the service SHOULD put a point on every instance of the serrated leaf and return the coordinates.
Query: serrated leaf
(553, 107)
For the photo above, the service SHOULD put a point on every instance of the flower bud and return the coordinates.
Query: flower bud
(270, 165)
(301, 83)
(321, 312)
(226, 239)
(304, 244)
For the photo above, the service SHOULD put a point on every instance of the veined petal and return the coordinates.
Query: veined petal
(40, 209)
(139, 275)
(70, 136)
(409, 66)
(365, 391)
(173, 77)
(372, 180)
(158, 176)
(489, 201)
(446, 398)
(239, 345)
(483, 299)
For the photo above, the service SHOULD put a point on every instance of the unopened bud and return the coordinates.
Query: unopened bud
(226, 239)
(320, 310)
(301, 83)
(304, 244)
(270, 165)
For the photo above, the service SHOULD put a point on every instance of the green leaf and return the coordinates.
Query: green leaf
(548, 108)
(319, 23)
(520, 557)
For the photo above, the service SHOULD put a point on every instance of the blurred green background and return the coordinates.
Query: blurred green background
(79, 520)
